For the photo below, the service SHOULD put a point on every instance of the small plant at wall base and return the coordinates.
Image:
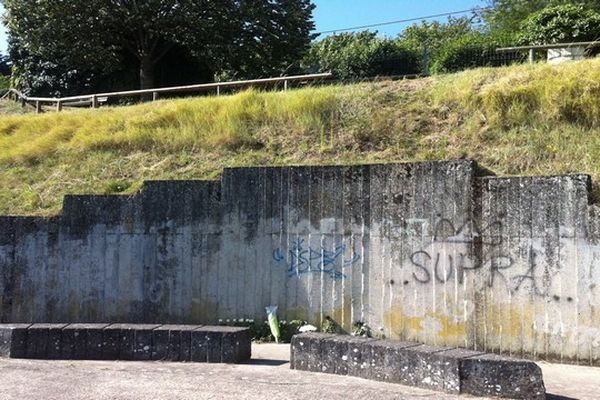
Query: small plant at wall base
(361, 329)
(260, 331)
(331, 326)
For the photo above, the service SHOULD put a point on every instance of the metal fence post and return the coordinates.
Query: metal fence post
(94, 101)
(425, 66)
(531, 56)
(154, 96)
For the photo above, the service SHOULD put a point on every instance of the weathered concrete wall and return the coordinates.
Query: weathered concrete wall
(439, 252)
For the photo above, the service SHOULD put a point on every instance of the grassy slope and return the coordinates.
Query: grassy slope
(520, 120)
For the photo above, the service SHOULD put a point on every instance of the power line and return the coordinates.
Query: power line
(400, 21)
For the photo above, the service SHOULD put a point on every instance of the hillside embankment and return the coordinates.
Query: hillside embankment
(520, 120)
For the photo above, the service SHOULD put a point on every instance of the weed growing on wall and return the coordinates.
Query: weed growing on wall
(361, 329)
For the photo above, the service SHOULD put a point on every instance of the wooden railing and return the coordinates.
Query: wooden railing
(94, 100)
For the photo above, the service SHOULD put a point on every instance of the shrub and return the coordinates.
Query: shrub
(363, 54)
(559, 24)
(472, 50)
(260, 331)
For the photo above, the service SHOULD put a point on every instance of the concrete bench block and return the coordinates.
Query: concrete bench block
(340, 354)
(13, 340)
(438, 369)
(306, 351)
(119, 342)
(44, 341)
(142, 344)
(354, 356)
(220, 344)
(83, 342)
(135, 342)
(443, 369)
(493, 375)
(173, 342)
(236, 345)
(375, 359)
(111, 343)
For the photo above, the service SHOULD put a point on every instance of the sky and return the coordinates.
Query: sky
(339, 14)
(336, 14)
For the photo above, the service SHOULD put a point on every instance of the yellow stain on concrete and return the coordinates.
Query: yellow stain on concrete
(500, 323)
(203, 312)
(507, 320)
(449, 331)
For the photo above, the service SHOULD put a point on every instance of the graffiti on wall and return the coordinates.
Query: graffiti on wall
(456, 251)
(301, 259)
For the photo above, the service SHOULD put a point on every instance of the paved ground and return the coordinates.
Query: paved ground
(267, 377)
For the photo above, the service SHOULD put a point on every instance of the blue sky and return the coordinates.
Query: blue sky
(337, 14)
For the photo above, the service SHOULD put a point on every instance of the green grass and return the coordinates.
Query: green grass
(536, 119)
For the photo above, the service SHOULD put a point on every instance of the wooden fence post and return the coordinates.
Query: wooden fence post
(59, 106)
(154, 96)
(94, 101)
(38, 107)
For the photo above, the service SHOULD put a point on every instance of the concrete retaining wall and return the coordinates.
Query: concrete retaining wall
(440, 253)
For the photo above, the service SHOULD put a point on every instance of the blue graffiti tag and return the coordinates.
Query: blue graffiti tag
(304, 260)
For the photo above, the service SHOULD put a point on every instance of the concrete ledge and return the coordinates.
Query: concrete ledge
(13, 338)
(133, 342)
(449, 370)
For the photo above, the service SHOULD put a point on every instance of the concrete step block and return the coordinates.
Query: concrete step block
(142, 344)
(306, 351)
(173, 342)
(135, 342)
(494, 375)
(119, 342)
(444, 369)
(13, 340)
(376, 359)
(340, 354)
(83, 342)
(220, 344)
(44, 341)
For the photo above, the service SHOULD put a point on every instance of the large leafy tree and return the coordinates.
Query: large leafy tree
(428, 38)
(361, 54)
(508, 15)
(560, 24)
(248, 36)
(433, 35)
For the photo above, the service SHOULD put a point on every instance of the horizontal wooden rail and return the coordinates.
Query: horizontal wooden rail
(93, 100)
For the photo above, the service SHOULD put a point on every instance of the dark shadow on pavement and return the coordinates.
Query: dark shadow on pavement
(558, 397)
(268, 363)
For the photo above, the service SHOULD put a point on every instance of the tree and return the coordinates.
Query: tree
(246, 35)
(508, 15)
(560, 24)
(472, 50)
(432, 35)
(361, 54)
(427, 38)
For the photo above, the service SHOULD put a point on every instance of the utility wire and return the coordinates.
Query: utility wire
(400, 21)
